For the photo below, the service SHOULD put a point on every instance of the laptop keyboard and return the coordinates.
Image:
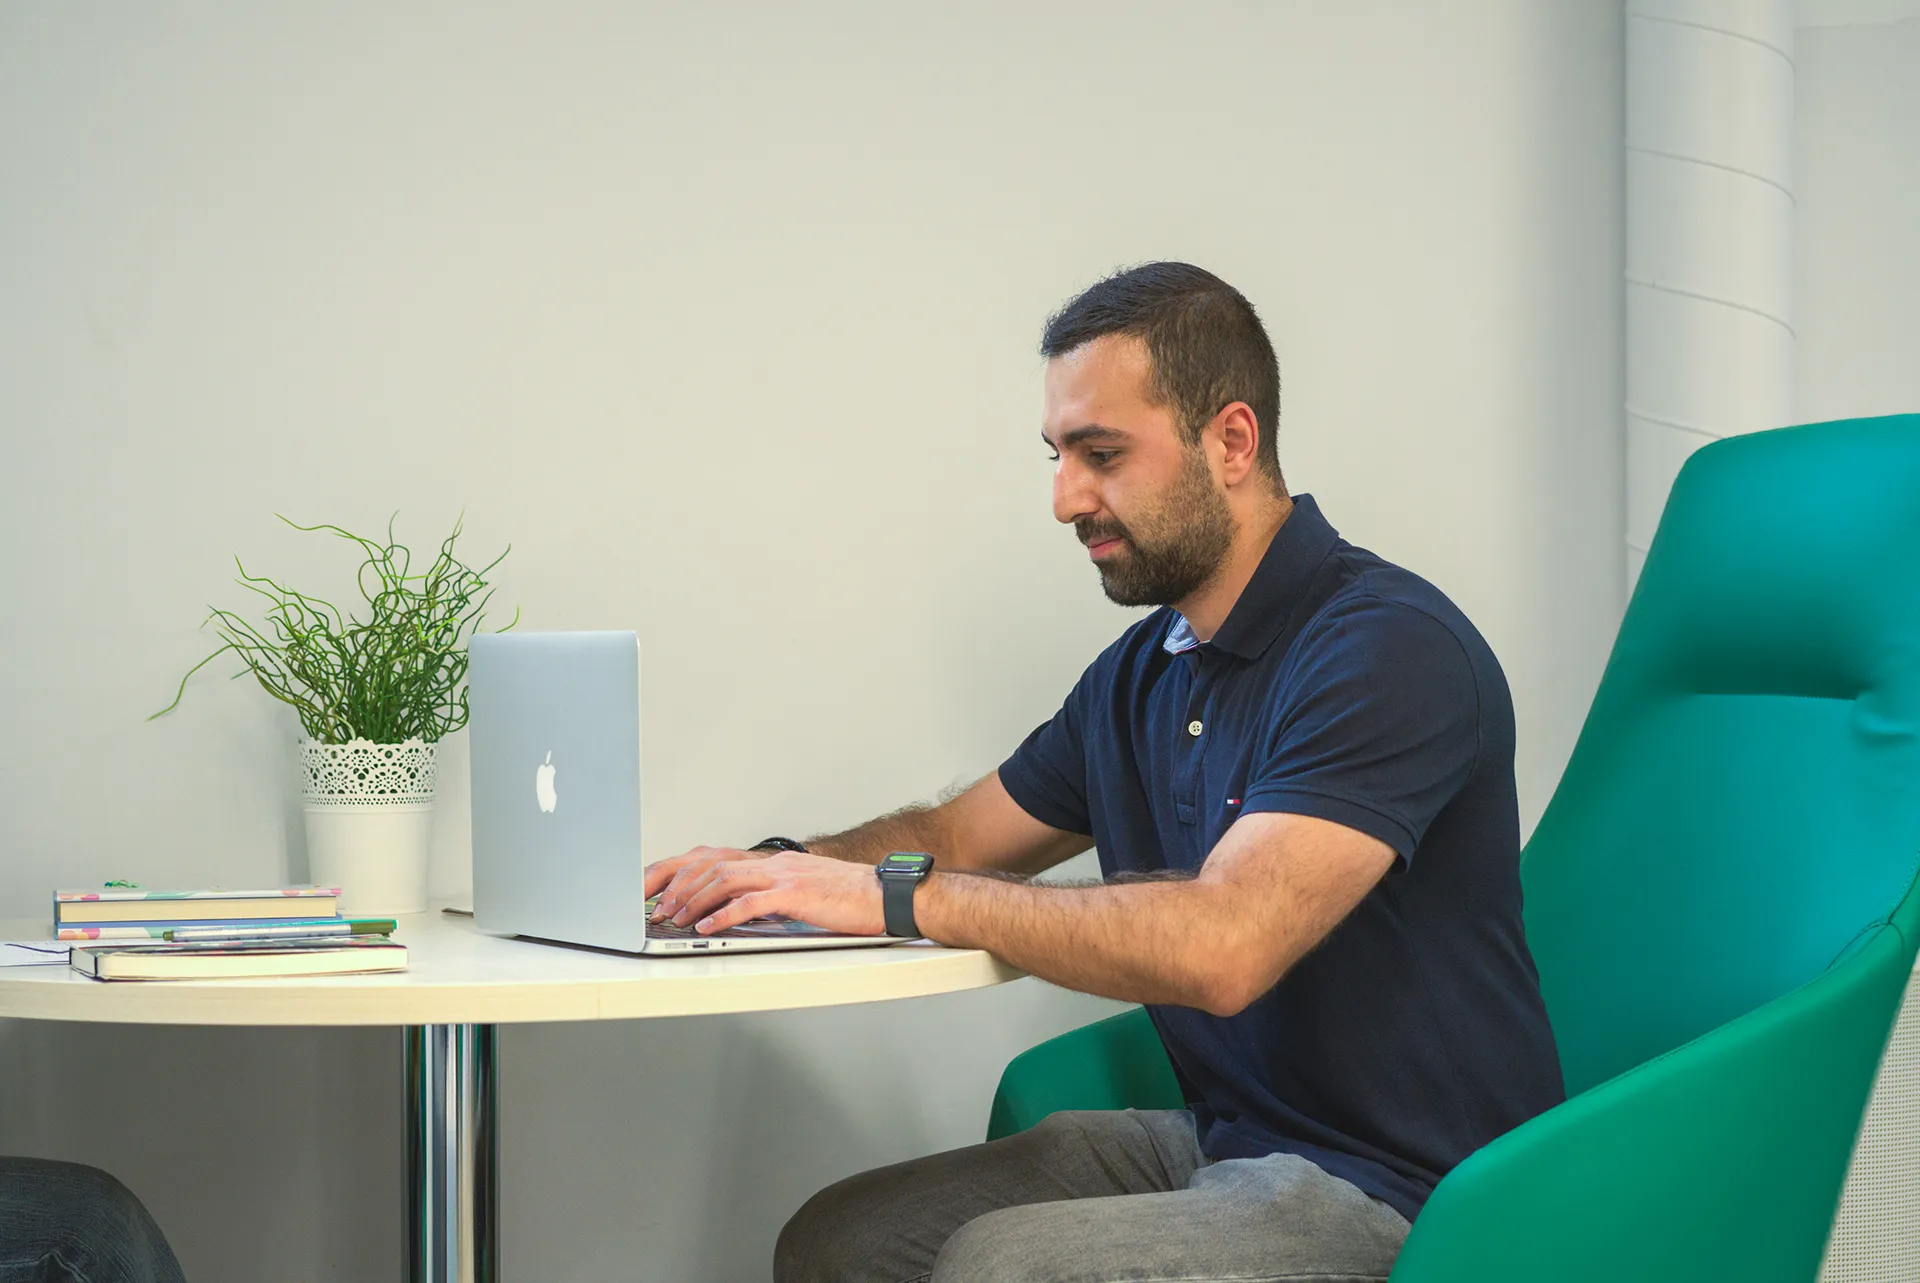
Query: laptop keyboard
(666, 930)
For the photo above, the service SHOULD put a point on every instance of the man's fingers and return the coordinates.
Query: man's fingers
(686, 884)
(692, 882)
(755, 904)
(694, 867)
(662, 875)
(661, 872)
(697, 870)
(729, 881)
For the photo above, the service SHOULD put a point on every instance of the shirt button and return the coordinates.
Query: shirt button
(1194, 728)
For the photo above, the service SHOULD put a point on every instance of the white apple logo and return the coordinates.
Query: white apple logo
(543, 784)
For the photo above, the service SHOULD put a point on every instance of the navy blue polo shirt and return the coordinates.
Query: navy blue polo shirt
(1343, 687)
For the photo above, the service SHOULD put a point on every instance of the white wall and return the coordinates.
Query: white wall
(1857, 249)
(725, 318)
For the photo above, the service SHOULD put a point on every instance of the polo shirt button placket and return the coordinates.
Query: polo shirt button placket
(1186, 774)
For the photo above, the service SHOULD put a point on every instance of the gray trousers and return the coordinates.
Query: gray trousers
(64, 1223)
(1090, 1197)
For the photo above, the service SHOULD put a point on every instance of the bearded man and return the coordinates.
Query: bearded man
(1298, 773)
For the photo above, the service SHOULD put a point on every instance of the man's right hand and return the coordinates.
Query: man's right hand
(983, 829)
(680, 878)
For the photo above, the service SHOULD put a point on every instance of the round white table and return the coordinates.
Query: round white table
(462, 985)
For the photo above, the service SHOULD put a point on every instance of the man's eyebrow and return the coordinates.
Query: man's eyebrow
(1089, 432)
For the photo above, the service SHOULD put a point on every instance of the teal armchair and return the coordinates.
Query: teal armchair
(1116, 1063)
(1721, 896)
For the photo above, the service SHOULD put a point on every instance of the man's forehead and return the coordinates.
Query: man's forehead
(1110, 371)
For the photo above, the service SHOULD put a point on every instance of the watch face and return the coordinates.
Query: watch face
(909, 862)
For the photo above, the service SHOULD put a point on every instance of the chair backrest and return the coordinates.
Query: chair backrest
(1743, 805)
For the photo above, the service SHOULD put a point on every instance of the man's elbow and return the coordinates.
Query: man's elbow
(1228, 991)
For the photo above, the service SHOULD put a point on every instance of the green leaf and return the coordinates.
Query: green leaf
(394, 675)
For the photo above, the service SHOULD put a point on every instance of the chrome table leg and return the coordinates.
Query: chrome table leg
(453, 1153)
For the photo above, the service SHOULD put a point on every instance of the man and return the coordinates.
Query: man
(63, 1221)
(1299, 777)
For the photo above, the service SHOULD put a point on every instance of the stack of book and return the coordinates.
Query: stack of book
(132, 913)
(128, 933)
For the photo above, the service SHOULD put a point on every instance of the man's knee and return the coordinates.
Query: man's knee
(996, 1246)
(1075, 1127)
(888, 1224)
(83, 1213)
(837, 1235)
(73, 1193)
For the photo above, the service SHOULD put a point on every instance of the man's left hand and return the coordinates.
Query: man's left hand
(836, 894)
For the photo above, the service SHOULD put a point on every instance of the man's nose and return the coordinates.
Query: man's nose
(1073, 498)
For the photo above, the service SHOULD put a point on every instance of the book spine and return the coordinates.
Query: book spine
(139, 962)
(152, 928)
(69, 913)
(114, 931)
(123, 893)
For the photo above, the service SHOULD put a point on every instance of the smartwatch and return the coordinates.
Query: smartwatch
(900, 873)
(777, 844)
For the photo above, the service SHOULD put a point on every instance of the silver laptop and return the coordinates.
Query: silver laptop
(554, 732)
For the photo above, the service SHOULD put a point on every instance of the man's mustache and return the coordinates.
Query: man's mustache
(1092, 530)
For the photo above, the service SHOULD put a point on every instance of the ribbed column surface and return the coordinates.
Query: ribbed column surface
(1709, 236)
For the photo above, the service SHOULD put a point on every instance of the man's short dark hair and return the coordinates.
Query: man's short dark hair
(1206, 345)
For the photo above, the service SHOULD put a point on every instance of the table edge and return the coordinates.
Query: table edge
(327, 1002)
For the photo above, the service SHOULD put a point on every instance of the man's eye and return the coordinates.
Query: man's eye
(1102, 458)
(1054, 457)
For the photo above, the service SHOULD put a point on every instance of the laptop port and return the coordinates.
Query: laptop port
(702, 944)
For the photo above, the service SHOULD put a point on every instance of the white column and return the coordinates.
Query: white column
(1709, 236)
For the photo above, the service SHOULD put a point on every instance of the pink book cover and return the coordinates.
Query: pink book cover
(212, 893)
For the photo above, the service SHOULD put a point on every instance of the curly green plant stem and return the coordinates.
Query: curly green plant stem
(396, 674)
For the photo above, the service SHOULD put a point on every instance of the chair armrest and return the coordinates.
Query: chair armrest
(1723, 1159)
(1116, 1063)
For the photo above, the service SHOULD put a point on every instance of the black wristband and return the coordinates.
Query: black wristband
(901, 874)
(896, 907)
(777, 844)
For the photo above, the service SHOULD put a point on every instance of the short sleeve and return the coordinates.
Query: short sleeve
(1378, 727)
(1047, 774)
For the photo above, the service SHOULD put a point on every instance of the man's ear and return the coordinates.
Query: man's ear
(1238, 432)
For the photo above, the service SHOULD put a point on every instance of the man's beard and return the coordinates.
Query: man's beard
(1173, 548)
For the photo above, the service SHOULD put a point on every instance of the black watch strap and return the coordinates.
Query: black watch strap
(901, 874)
(777, 844)
(896, 902)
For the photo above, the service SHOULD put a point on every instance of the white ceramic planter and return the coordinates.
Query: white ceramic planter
(369, 812)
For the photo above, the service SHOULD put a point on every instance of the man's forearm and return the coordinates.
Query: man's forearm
(1159, 942)
(911, 828)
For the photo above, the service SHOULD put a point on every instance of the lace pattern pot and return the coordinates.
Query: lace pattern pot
(369, 820)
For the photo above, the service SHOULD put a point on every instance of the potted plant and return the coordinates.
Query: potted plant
(375, 696)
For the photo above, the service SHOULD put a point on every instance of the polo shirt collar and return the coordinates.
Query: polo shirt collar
(1279, 581)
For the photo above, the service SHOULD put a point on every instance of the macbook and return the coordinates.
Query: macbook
(554, 731)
